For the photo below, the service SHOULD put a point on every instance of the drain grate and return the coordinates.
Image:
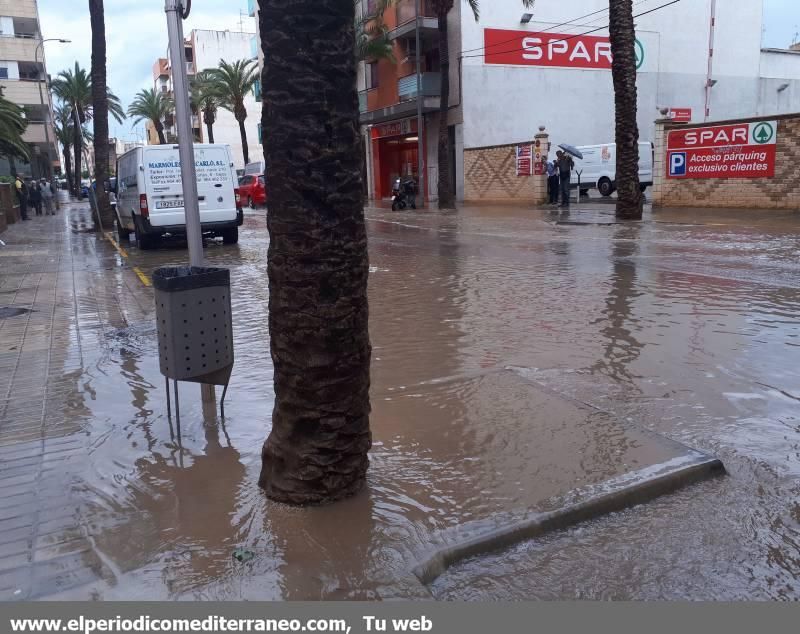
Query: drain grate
(12, 311)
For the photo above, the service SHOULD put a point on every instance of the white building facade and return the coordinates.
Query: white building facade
(554, 70)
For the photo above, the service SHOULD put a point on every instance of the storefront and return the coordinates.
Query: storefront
(394, 150)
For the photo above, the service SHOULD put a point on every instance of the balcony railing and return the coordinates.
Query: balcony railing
(251, 8)
(407, 86)
(362, 101)
(254, 47)
(406, 11)
(189, 67)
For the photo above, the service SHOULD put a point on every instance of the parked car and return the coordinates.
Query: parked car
(85, 184)
(252, 190)
(598, 167)
(150, 193)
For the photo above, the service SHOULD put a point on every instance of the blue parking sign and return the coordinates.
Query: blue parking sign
(677, 163)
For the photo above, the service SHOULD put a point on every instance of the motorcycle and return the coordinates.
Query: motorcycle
(404, 193)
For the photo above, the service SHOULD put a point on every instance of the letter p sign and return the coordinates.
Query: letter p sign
(677, 163)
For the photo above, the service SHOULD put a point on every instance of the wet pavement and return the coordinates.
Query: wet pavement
(514, 351)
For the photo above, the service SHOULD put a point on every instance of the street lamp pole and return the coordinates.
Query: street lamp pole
(175, 15)
(48, 117)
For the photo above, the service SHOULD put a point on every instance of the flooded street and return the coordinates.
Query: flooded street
(686, 325)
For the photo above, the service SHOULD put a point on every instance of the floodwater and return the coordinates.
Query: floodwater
(687, 325)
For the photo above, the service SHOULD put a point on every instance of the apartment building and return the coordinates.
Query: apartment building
(204, 49)
(23, 80)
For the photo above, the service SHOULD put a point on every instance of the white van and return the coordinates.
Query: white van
(598, 167)
(150, 195)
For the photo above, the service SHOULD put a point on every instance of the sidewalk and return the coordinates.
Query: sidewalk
(61, 292)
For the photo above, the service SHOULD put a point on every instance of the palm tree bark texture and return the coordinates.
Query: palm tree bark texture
(100, 113)
(317, 259)
(623, 70)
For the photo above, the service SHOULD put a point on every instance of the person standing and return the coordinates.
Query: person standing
(22, 197)
(565, 165)
(552, 181)
(35, 196)
(47, 197)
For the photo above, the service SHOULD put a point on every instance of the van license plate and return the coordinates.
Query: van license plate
(169, 204)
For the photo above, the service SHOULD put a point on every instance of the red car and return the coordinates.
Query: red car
(252, 190)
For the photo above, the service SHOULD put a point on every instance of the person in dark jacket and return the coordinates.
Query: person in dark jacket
(565, 165)
(35, 196)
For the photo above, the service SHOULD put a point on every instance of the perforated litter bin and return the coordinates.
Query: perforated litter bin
(195, 332)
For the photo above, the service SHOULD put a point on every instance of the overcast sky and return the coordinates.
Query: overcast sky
(136, 35)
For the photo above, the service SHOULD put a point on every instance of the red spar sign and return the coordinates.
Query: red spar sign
(740, 150)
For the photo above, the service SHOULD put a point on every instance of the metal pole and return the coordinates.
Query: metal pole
(420, 126)
(47, 117)
(194, 235)
(712, 25)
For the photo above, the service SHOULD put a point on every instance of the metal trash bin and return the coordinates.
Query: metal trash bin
(195, 332)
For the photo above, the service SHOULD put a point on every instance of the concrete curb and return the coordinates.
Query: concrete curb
(617, 494)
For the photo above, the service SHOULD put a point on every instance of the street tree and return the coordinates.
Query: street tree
(100, 112)
(232, 82)
(317, 449)
(153, 106)
(12, 126)
(74, 88)
(204, 99)
(441, 8)
(64, 135)
(623, 71)
(372, 34)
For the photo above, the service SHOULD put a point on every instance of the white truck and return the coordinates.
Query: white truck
(150, 194)
(598, 167)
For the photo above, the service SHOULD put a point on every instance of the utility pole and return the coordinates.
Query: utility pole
(175, 16)
(420, 127)
(176, 13)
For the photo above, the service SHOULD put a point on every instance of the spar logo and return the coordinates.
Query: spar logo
(763, 132)
(544, 48)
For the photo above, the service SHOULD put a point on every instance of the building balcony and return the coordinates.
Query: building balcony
(190, 67)
(18, 48)
(362, 101)
(35, 133)
(254, 46)
(252, 7)
(430, 84)
(406, 14)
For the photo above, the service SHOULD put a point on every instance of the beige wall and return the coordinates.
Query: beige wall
(490, 175)
(22, 92)
(780, 192)
(18, 8)
(19, 49)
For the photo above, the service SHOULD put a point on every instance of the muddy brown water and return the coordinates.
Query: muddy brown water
(687, 324)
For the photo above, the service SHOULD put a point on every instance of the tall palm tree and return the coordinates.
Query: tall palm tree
(623, 71)
(100, 110)
(63, 128)
(372, 34)
(205, 100)
(74, 88)
(12, 126)
(151, 105)
(441, 8)
(317, 258)
(232, 83)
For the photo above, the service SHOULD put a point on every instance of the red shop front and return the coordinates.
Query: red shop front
(394, 154)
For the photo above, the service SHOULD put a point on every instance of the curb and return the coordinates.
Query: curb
(617, 494)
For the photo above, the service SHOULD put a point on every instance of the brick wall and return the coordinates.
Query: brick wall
(490, 175)
(780, 192)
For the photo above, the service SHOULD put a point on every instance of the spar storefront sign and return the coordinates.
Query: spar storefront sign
(741, 150)
(540, 48)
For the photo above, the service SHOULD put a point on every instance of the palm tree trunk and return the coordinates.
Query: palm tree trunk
(210, 130)
(77, 147)
(100, 114)
(317, 449)
(623, 71)
(243, 134)
(68, 165)
(446, 198)
(160, 130)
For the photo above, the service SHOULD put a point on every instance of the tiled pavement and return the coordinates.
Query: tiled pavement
(73, 289)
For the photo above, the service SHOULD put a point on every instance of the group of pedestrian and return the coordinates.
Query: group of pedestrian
(559, 172)
(36, 195)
